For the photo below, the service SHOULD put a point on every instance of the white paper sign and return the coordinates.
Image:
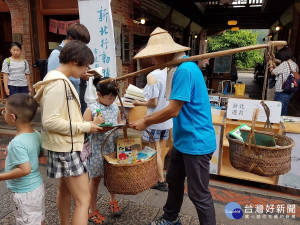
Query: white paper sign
(242, 109)
(97, 17)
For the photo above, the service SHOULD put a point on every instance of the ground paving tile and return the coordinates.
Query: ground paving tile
(144, 207)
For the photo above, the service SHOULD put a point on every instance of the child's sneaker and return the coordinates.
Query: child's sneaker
(115, 209)
(161, 186)
(162, 221)
(96, 218)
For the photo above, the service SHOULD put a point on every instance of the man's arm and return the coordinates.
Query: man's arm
(53, 60)
(151, 103)
(21, 171)
(172, 110)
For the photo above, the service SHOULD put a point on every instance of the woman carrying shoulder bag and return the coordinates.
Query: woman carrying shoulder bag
(63, 131)
(282, 71)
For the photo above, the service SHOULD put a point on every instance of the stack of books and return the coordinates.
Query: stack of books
(133, 93)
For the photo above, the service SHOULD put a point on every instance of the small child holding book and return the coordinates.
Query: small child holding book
(22, 176)
(105, 105)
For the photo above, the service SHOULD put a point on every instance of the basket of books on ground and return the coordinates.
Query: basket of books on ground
(260, 152)
(131, 169)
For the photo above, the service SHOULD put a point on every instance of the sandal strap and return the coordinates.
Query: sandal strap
(115, 205)
(96, 217)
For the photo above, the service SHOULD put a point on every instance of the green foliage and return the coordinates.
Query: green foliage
(236, 39)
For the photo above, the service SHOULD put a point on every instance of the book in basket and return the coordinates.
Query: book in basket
(127, 147)
(145, 154)
(262, 138)
(236, 133)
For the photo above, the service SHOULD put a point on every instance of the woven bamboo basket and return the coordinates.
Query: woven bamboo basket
(129, 179)
(261, 160)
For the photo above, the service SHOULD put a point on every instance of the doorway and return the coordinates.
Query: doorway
(6, 36)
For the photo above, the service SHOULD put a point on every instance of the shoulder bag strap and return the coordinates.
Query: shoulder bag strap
(25, 64)
(290, 67)
(8, 63)
(69, 115)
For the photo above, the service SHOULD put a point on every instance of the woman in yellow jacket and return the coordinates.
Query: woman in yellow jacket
(63, 131)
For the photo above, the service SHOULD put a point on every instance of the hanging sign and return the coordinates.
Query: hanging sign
(97, 17)
(61, 26)
(53, 26)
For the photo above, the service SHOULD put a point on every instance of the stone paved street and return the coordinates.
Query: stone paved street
(142, 208)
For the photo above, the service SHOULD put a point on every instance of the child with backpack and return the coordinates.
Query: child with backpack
(22, 175)
(105, 105)
(16, 72)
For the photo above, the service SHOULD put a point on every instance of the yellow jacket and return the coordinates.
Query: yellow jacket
(51, 95)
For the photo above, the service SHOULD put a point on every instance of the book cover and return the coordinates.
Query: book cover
(96, 71)
(134, 90)
(262, 138)
(236, 133)
(127, 147)
(134, 97)
(146, 153)
(135, 93)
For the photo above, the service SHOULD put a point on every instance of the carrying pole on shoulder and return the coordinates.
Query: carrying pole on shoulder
(196, 58)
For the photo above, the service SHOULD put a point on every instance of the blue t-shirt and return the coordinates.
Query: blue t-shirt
(193, 131)
(23, 148)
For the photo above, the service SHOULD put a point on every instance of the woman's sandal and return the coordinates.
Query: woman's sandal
(96, 218)
(115, 209)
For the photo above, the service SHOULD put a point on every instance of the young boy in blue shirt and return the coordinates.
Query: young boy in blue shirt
(22, 176)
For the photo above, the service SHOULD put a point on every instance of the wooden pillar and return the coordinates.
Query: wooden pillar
(186, 35)
(168, 20)
(41, 24)
(202, 47)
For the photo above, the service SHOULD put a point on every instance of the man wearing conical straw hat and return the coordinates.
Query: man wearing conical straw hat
(193, 132)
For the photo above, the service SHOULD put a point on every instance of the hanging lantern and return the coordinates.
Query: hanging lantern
(235, 28)
(143, 21)
(232, 22)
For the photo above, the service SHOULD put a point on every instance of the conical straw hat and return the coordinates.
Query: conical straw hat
(160, 43)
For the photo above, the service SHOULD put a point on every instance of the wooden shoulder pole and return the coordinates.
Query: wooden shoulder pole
(196, 58)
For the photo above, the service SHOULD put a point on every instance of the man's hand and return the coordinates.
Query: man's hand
(139, 125)
(86, 76)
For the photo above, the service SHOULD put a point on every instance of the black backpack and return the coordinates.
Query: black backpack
(42, 64)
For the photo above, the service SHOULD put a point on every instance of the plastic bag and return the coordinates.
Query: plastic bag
(90, 95)
(87, 148)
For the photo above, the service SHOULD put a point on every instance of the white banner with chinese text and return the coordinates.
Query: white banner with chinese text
(97, 17)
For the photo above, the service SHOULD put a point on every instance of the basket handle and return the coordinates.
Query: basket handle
(267, 126)
(251, 134)
(124, 128)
